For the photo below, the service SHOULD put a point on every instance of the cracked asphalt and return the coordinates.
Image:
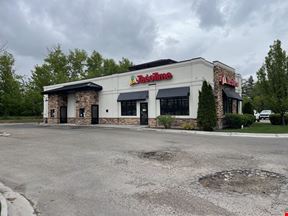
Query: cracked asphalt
(100, 171)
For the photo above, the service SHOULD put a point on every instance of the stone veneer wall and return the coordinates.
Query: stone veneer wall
(178, 123)
(55, 102)
(85, 99)
(218, 73)
(120, 121)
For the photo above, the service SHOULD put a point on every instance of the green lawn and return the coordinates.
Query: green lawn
(260, 128)
(20, 119)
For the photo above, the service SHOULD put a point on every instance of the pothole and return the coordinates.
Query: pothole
(157, 155)
(252, 181)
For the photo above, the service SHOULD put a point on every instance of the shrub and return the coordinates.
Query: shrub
(206, 114)
(165, 120)
(232, 120)
(188, 126)
(236, 120)
(248, 120)
(275, 119)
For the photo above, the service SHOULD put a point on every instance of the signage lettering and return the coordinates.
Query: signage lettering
(150, 78)
(226, 81)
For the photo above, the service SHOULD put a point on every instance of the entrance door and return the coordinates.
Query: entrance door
(63, 114)
(143, 113)
(94, 114)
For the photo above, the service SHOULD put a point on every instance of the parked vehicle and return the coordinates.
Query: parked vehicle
(264, 114)
(257, 115)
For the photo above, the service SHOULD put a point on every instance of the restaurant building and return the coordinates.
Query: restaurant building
(137, 97)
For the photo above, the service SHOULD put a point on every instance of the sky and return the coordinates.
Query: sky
(238, 33)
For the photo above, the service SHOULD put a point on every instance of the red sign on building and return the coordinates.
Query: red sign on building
(226, 81)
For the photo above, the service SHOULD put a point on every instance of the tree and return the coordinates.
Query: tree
(76, 64)
(206, 115)
(110, 67)
(248, 108)
(94, 65)
(57, 64)
(124, 65)
(273, 79)
(10, 86)
(247, 87)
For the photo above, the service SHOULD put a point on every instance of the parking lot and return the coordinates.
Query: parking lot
(109, 171)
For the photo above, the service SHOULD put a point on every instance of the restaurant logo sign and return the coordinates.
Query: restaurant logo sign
(224, 80)
(139, 79)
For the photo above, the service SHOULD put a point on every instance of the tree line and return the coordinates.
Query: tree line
(19, 96)
(271, 89)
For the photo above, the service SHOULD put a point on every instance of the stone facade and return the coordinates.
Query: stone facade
(54, 103)
(120, 121)
(84, 100)
(178, 123)
(218, 92)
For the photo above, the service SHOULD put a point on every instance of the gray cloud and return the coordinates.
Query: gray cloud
(236, 32)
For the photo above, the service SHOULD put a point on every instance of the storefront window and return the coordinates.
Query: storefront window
(174, 106)
(227, 104)
(128, 108)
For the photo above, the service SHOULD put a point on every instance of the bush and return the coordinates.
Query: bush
(188, 126)
(275, 119)
(206, 114)
(165, 120)
(248, 120)
(236, 120)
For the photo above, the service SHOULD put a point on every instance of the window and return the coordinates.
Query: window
(81, 112)
(227, 104)
(128, 108)
(52, 113)
(174, 106)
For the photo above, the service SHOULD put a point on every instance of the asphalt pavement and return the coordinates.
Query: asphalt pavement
(114, 171)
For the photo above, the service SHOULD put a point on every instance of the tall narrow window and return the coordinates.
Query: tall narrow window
(128, 108)
(52, 113)
(81, 112)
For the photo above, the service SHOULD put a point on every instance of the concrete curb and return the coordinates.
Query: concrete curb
(4, 207)
(13, 203)
(226, 134)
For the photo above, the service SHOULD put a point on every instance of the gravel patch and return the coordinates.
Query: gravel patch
(250, 181)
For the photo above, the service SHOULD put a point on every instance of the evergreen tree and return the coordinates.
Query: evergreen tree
(273, 79)
(206, 115)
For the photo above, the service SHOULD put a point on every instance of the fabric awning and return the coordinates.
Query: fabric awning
(230, 92)
(133, 96)
(75, 87)
(173, 92)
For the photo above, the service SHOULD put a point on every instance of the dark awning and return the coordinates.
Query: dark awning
(173, 92)
(75, 87)
(133, 96)
(230, 92)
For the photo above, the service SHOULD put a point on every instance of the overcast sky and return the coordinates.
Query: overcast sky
(237, 33)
